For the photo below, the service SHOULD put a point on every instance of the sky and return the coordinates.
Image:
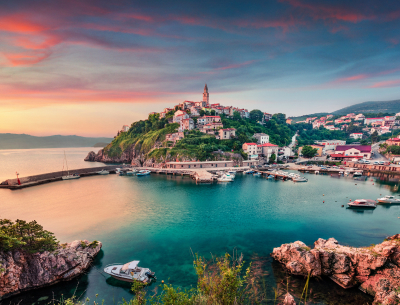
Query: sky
(87, 67)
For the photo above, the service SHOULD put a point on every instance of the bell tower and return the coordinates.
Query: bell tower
(206, 95)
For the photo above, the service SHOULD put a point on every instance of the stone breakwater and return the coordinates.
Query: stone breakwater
(20, 271)
(375, 269)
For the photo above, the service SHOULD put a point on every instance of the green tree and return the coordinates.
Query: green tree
(212, 112)
(272, 158)
(308, 151)
(236, 116)
(375, 137)
(256, 115)
(202, 112)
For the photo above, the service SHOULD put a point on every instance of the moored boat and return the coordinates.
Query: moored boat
(388, 199)
(362, 203)
(143, 172)
(299, 179)
(103, 172)
(225, 178)
(357, 174)
(257, 174)
(248, 171)
(130, 272)
(71, 177)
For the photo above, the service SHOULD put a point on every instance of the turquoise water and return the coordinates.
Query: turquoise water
(162, 220)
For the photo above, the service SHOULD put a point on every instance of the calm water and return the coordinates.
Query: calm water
(160, 220)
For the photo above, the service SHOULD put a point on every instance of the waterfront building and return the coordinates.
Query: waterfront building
(356, 135)
(226, 133)
(285, 152)
(250, 149)
(320, 149)
(267, 149)
(208, 164)
(206, 95)
(330, 144)
(261, 138)
(352, 151)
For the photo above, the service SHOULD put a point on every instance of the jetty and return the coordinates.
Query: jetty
(29, 181)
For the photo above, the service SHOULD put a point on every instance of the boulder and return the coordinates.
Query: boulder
(289, 299)
(21, 271)
(375, 269)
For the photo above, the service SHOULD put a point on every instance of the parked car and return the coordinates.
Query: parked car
(361, 161)
(381, 162)
(367, 162)
(376, 163)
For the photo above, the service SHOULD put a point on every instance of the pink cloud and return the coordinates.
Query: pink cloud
(386, 84)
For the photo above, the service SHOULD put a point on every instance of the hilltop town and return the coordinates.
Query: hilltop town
(204, 131)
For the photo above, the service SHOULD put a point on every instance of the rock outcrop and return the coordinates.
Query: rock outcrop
(20, 271)
(375, 269)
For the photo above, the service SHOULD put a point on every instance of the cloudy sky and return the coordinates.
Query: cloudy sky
(88, 67)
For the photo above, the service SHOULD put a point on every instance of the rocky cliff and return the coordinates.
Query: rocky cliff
(20, 271)
(375, 269)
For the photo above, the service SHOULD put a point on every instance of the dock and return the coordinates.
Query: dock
(29, 181)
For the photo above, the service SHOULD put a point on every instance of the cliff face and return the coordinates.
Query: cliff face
(21, 271)
(376, 269)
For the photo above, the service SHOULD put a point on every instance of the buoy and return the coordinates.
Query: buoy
(355, 184)
(162, 281)
(373, 183)
(323, 194)
(342, 205)
(323, 201)
(350, 200)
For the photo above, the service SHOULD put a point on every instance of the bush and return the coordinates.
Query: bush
(26, 236)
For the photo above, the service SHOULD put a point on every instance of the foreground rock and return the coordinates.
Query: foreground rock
(375, 269)
(21, 271)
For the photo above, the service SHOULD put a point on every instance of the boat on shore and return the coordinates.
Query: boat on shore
(130, 272)
(143, 172)
(388, 199)
(362, 203)
(225, 178)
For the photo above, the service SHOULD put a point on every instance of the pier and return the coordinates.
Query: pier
(29, 181)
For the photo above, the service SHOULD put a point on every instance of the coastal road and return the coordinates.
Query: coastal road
(376, 156)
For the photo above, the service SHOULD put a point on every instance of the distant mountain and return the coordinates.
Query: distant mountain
(24, 141)
(371, 107)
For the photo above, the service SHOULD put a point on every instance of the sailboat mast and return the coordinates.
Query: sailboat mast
(66, 162)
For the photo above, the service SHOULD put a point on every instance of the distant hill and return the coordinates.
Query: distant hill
(371, 107)
(24, 141)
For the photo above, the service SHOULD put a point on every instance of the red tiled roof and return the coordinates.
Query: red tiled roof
(361, 148)
(269, 145)
(250, 143)
(375, 118)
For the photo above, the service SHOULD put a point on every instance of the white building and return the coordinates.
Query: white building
(186, 124)
(267, 149)
(356, 135)
(125, 128)
(209, 119)
(250, 149)
(262, 138)
(179, 117)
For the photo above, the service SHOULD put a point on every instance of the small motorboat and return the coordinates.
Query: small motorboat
(270, 177)
(71, 177)
(232, 173)
(143, 172)
(257, 174)
(131, 172)
(357, 174)
(130, 272)
(103, 172)
(388, 199)
(300, 179)
(248, 171)
(362, 203)
(225, 178)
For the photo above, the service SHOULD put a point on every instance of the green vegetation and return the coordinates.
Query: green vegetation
(307, 135)
(371, 107)
(393, 149)
(224, 283)
(25, 236)
(308, 151)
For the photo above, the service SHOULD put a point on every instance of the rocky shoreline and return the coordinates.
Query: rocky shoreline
(21, 271)
(375, 269)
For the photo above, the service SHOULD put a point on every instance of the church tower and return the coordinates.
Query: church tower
(206, 95)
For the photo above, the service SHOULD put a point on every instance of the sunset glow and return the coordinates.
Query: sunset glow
(104, 64)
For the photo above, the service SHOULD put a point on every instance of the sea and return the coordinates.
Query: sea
(164, 221)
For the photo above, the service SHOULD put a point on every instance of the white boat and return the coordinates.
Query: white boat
(363, 203)
(232, 173)
(225, 178)
(130, 272)
(68, 176)
(248, 171)
(131, 172)
(143, 172)
(316, 172)
(103, 172)
(357, 174)
(300, 179)
(257, 174)
(388, 199)
(270, 177)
